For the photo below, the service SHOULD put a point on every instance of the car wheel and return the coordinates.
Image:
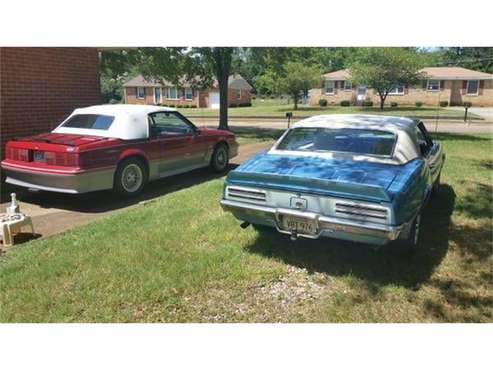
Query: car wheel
(220, 158)
(130, 177)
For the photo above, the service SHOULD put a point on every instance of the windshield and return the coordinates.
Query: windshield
(360, 141)
(89, 121)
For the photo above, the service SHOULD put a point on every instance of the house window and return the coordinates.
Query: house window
(472, 87)
(433, 85)
(172, 93)
(399, 90)
(157, 95)
(348, 86)
(329, 87)
(188, 94)
(238, 94)
(141, 93)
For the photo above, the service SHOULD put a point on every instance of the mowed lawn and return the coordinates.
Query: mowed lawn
(180, 258)
(278, 108)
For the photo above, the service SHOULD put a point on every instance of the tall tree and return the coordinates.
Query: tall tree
(384, 69)
(219, 60)
(477, 58)
(197, 66)
(295, 79)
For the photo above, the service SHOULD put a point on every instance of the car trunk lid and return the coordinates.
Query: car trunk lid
(325, 176)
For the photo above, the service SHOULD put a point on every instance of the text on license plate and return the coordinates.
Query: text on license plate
(38, 156)
(301, 225)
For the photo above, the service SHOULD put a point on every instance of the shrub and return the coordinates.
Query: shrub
(322, 102)
(467, 104)
(419, 104)
(171, 105)
(233, 105)
(254, 97)
(393, 104)
(245, 104)
(444, 103)
(367, 103)
(345, 103)
(272, 97)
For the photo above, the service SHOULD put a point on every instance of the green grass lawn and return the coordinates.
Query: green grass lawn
(180, 258)
(278, 108)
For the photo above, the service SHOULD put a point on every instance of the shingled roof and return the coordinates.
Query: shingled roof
(440, 73)
(235, 81)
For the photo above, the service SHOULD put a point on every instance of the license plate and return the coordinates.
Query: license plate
(300, 225)
(38, 156)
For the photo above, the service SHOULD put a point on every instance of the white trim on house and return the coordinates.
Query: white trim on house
(477, 88)
(346, 88)
(428, 85)
(327, 87)
(190, 90)
(138, 94)
(238, 93)
(168, 95)
(395, 91)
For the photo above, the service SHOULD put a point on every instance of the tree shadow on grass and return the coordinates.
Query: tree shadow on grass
(387, 265)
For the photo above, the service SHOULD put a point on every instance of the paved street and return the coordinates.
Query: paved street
(432, 125)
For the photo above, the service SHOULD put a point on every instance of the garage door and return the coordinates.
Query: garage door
(214, 100)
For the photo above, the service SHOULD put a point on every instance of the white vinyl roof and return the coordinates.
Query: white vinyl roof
(130, 120)
(406, 147)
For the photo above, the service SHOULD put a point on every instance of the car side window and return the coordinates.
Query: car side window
(424, 139)
(168, 123)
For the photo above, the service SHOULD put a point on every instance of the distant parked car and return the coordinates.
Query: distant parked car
(118, 147)
(362, 178)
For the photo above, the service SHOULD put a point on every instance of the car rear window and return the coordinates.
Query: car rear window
(359, 141)
(89, 121)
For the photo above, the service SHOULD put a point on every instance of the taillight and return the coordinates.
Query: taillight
(17, 154)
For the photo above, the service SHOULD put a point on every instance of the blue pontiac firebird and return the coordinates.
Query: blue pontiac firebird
(363, 178)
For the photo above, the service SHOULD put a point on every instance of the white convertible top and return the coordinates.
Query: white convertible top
(406, 147)
(130, 120)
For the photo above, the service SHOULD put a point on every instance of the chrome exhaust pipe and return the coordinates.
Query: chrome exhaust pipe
(294, 236)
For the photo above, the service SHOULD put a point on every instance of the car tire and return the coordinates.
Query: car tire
(220, 158)
(130, 177)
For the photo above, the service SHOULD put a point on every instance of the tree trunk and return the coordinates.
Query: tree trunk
(382, 100)
(295, 99)
(222, 61)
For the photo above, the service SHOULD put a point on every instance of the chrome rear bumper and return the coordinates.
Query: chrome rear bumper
(325, 225)
(76, 183)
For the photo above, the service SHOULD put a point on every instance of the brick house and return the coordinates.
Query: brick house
(455, 85)
(141, 91)
(39, 87)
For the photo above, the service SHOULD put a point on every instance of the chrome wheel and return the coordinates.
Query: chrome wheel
(132, 178)
(220, 158)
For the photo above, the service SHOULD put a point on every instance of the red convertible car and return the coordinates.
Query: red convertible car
(118, 147)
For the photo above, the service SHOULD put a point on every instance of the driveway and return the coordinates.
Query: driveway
(53, 213)
(484, 113)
